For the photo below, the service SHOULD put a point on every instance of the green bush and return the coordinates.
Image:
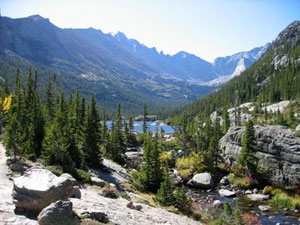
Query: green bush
(286, 201)
(57, 170)
(82, 176)
(193, 163)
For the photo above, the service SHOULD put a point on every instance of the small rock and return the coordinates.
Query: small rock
(77, 192)
(18, 168)
(97, 181)
(285, 209)
(99, 216)
(264, 208)
(258, 197)
(248, 192)
(225, 181)
(255, 191)
(217, 204)
(296, 211)
(226, 193)
(130, 205)
(58, 213)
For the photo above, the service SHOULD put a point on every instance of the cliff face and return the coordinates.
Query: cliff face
(278, 151)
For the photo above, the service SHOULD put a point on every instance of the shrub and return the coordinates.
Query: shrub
(82, 176)
(57, 170)
(193, 163)
(250, 219)
(267, 190)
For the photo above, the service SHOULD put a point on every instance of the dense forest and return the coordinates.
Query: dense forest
(66, 132)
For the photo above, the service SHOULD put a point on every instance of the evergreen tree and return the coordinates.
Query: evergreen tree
(50, 99)
(292, 122)
(226, 120)
(150, 176)
(12, 138)
(92, 136)
(181, 201)
(57, 142)
(247, 156)
(165, 193)
(145, 115)
(131, 127)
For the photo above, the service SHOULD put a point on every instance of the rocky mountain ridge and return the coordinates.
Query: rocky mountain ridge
(114, 67)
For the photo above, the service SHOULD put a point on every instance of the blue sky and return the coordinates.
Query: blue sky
(205, 28)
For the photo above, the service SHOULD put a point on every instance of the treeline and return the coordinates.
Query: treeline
(65, 132)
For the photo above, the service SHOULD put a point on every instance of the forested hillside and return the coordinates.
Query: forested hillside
(274, 77)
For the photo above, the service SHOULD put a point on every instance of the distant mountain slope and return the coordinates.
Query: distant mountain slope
(274, 77)
(114, 67)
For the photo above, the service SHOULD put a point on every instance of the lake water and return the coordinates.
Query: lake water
(138, 126)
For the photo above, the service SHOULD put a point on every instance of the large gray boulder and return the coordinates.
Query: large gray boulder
(278, 152)
(201, 180)
(38, 188)
(58, 213)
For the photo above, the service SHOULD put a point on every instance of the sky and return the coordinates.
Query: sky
(206, 28)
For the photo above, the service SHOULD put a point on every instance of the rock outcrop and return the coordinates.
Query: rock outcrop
(38, 188)
(201, 180)
(58, 213)
(278, 152)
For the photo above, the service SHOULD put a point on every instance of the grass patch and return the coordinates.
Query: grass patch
(286, 200)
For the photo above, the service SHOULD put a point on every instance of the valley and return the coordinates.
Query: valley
(97, 128)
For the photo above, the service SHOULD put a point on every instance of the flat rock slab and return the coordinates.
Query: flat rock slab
(118, 213)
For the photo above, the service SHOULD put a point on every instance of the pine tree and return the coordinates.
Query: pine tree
(165, 193)
(181, 201)
(131, 127)
(145, 115)
(12, 138)
(104, 127)
(56, 143)
(226, 121)
(50, 99)
(150, 176)
(247, 156)
(292, 122)
(92, 136)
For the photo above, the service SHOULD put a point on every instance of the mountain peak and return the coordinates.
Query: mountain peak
(36, 17)
(289, 33)
(119, 35)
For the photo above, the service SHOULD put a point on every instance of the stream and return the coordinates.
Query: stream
(273, 217)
